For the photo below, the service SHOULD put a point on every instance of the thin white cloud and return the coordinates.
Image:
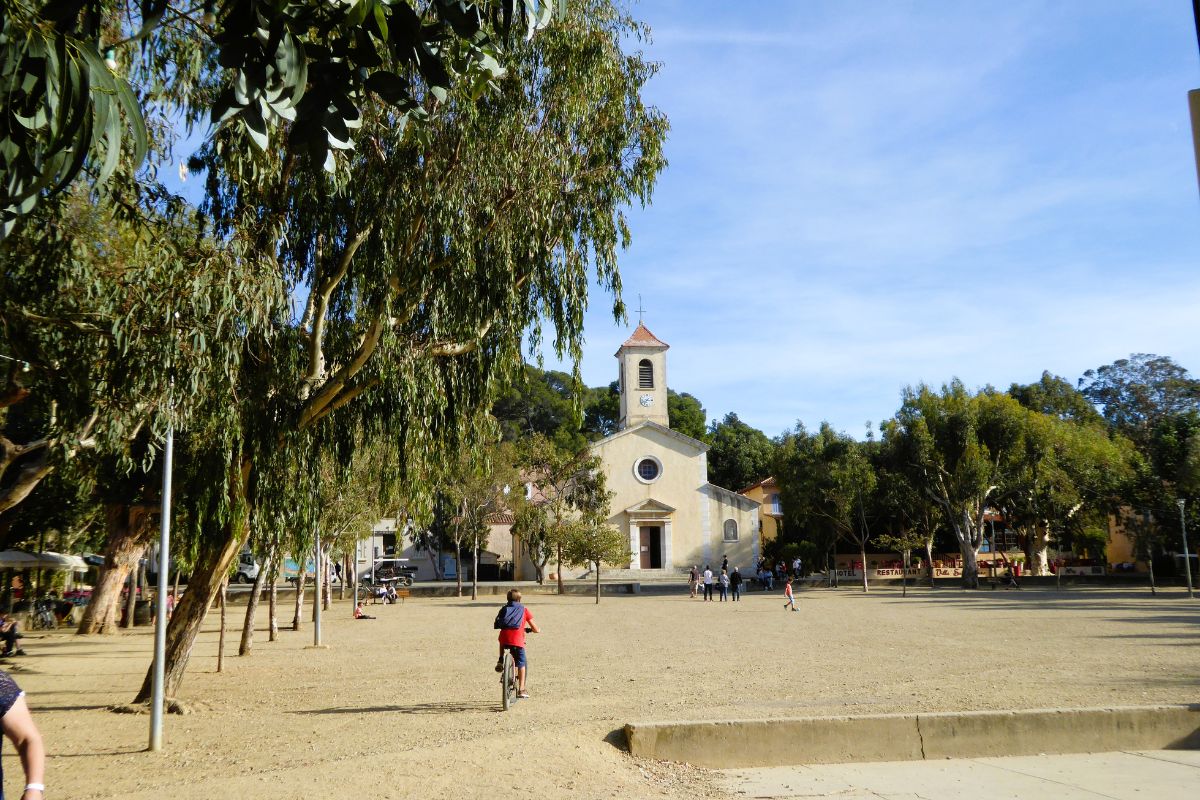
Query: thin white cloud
(912, 192)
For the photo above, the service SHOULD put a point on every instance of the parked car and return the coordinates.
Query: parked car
(390, 569)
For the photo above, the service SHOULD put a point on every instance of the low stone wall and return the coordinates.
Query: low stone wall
(913, 737)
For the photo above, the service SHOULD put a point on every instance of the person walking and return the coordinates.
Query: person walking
(693, 579)
(19, 728)
(735, 585)
(787, 592)
(708, 580)
(723, 585)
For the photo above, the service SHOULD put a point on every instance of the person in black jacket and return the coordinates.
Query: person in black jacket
(735, 584)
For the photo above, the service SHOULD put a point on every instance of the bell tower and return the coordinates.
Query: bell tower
(642, 379)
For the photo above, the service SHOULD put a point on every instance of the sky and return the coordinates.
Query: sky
(864, 196)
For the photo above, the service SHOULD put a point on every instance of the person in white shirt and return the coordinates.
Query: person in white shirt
(708, 581)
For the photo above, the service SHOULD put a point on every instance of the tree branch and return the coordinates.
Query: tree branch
(318, 305)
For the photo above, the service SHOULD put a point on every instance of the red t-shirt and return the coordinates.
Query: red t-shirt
(516, 636)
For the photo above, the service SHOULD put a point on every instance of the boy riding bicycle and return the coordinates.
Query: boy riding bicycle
(511, 621)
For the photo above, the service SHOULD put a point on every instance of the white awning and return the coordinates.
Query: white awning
(19, 559)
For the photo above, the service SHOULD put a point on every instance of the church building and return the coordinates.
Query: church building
(674, 517)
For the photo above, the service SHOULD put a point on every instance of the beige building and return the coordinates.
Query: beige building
(674, 517)
(766, 492)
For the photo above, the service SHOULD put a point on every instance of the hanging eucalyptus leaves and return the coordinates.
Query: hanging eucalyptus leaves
(66, 108)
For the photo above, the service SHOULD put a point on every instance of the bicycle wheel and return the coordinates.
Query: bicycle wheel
(508, 682)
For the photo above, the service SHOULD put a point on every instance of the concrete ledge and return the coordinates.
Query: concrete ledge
(912, 737)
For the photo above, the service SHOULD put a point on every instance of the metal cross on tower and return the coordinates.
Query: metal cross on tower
(640, 310)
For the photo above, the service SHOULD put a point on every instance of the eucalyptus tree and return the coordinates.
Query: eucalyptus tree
(828, 482)
(427, 259)
(83, 81)
(962, 450)
(1069, 475)
(1135, 394)
(477, 487)
(113, 325)
(740, 454)
(1056, 396)
(794, 466)
(568, 491)
(909, 515)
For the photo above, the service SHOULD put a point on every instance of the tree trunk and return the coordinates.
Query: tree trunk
(475, 573)
(273, 609)
(1039, 540)
(862, 555)
(457, 569)
(540, 568)
(326, 581)
(252, 610)
(558, 551)
(929, 561)
(1149, 565)
(128, 535)
(176, 592)
(597, 583)
(221, 637)
(297, 617)
(130, 598)
(345, 577)
(970, 568)
(904, 558)
(216, 555)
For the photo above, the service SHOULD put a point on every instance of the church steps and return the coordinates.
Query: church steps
(669, 575)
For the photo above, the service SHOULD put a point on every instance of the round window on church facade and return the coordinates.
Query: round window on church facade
(648, 469)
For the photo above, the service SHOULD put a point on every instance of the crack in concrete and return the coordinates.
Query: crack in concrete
(921, 737)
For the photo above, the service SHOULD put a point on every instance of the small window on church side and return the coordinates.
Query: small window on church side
(645, 374)
(730, 530)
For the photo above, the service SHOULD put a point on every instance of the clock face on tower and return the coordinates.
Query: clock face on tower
(646, 400)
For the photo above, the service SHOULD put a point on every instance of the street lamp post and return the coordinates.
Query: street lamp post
(158, 685)
(1187, 559)
(320, 576)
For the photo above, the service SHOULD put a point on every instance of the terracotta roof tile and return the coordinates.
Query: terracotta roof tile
(642, 337)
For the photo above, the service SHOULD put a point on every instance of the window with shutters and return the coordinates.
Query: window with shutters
(645, 374)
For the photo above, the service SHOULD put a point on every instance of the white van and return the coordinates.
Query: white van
(246, 570)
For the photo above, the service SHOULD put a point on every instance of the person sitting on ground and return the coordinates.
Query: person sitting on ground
(18, 726)
(360, 614)
(10, 634)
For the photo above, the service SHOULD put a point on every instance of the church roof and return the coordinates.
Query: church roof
(739, 499)
(700, 446)
(642, 337)
(764, 483)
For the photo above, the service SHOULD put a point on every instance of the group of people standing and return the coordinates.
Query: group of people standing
(728, 584)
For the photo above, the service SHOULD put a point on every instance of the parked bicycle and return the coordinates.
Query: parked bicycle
(42, 616)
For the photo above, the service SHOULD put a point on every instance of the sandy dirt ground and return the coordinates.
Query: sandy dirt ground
(407, 705)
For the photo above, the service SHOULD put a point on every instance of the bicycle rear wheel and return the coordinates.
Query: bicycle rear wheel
(508, 682)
